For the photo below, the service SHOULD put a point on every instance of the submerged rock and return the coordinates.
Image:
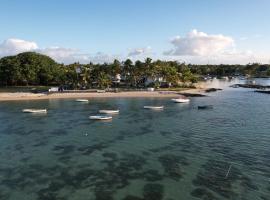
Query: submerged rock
(153, 192)
(215, 178)
(203, 193)
(172, 165)
(131, 197)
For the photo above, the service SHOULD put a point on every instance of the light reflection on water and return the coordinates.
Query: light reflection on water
(177, 153)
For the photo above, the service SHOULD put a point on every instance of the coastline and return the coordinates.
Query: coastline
(20, 96)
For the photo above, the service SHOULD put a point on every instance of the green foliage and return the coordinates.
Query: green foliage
(35, 69)
(29, 69)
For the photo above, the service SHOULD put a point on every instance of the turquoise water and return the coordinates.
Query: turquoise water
(177, 153)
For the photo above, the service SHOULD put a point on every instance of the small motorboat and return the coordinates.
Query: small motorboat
(109, 111)
(34, 110)
(100, 117)
(82, 100)
(154, 107)
(205, 107)
(181, 100)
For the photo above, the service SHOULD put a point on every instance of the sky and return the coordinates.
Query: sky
(191, 31)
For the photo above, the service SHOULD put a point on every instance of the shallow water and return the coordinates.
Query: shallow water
(177, 153)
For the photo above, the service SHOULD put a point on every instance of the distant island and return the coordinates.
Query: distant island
(34, 69)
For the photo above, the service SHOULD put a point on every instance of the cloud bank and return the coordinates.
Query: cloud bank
(197, 43)
(139, 51)
(14, 46)
(195, 47)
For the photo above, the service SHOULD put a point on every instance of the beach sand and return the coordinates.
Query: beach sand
(6, 96)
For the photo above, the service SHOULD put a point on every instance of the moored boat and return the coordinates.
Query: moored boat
(109, 111)
(205, 107)
(181, 100)
(82, 100)
(100, 117)
(34, 110)
(154, 107)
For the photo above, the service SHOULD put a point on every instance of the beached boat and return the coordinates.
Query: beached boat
(100, 117)
(109, 111)
(82, 100)
(34, 110)
(154, 107)
(181, 100)
(205, 107)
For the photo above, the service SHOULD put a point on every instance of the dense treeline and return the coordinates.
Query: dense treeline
(35, 69)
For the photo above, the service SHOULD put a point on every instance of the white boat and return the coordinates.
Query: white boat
(154, 107)
(109, 111)
(100, 117)
(181, 100)
(35, 110)
(82, 100)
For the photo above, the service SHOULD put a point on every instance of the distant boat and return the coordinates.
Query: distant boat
(34, 110)
(205, 107)
(82, 100)
(181, 100)
(100, 117)
(154, 107)
(109, 111)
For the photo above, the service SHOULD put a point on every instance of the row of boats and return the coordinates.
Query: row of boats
(107, 114)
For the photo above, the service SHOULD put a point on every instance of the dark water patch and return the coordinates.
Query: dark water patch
(146, 153)
(103, 194)
(19, 148)
(87, 150)
(131, 197)
(144, 130)
(25, 159)
(187, 146)
(59, 132)
(120, 137)
(162, 149)
(10, 130)
(214, 177)
(4, 195)
(165, 133)
(203, 193)
(110, 155)
(40, 143)
(65, 159)
(152, 175)
(153, 192)
(242, 157)
(63, 149)
(172, 165)
(264, 198)
(48, 194)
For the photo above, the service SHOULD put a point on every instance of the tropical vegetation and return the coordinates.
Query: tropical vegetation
(32, 68)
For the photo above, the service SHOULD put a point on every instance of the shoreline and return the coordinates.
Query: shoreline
(21, 96)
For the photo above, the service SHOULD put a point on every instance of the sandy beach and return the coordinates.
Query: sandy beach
(18, 96)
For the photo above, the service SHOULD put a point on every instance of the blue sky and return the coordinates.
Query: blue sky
(138, 28)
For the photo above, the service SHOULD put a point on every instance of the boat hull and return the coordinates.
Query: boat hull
(109, 111)
(180, 100)
(100, 117)
(34, 110)
(154, 107)
(82, 100)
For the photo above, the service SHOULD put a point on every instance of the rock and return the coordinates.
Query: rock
(212, 90)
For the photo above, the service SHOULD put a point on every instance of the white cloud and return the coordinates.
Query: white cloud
(60, 54)
(14, 46)
(101, 57)
(139, 51)
(197, 43)
(65, 55)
